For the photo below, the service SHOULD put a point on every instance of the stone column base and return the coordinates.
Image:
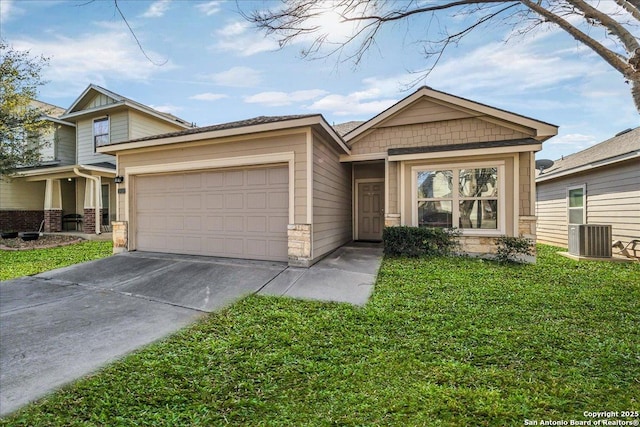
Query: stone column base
(392, 220)
(52, 220)
(299, 244)
(120, 236)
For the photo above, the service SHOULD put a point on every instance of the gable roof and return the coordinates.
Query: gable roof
(240, 127)
(541, 130)
(75, 111)
(345, 128)
(623, 146)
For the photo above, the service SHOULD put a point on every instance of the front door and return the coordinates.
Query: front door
(370, 210)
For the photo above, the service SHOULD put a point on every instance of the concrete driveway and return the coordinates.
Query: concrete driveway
(60, 325)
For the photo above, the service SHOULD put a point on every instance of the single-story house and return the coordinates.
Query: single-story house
(599, 185)
(294, 188)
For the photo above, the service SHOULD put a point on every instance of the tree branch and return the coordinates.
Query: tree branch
(115, 2)
(608, 55)
(629, 6)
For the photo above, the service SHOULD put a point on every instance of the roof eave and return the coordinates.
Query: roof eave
(589, 166)
(316, 120)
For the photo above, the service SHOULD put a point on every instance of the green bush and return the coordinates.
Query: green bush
(510, 248)
(419, 241)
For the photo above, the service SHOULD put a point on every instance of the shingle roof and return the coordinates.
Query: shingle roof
(344, 128)
(624, 143)
(223, 126)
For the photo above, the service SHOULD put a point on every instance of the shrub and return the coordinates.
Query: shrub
(511, 248)
(419, 241)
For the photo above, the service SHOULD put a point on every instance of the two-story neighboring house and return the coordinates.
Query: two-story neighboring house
(73, 186)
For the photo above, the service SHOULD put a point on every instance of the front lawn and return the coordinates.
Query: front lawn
(22, 263)
(445, 341)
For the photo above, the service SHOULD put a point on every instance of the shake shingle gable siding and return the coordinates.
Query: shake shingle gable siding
(260, 120)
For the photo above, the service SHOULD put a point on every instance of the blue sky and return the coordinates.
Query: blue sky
(219, 69)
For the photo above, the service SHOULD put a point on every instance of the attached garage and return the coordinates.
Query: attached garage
(239, 213)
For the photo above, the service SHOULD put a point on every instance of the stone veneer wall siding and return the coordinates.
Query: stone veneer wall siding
(299, 242)
(459, 131)
(17, 220)
(120, 236)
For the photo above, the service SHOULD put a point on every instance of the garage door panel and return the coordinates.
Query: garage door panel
(234, 201)
(234, 213)
(232, 178)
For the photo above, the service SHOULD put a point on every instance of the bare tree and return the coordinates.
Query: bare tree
(606, 27)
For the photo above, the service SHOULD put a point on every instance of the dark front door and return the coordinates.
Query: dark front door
(370, 210)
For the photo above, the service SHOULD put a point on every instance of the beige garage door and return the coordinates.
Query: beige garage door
(239, 213)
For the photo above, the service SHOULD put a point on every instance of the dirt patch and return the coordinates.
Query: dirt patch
(44, 242)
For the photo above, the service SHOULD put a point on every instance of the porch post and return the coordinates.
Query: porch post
(52, 206)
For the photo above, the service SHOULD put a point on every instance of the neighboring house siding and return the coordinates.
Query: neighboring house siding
(48, 149)
(141, 125)
(66, 145)
(459, 131)
(331, 199)
(613, 197)
(19, 194)
(213, 149)
(86, 154)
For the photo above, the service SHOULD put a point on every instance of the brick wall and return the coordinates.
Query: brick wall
(52, 220)
(16, 220)
(89, 224)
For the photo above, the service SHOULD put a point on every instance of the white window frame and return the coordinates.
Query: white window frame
(93, 130)
(583, 187)
(502, 210)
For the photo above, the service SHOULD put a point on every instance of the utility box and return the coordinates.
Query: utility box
(590, 240)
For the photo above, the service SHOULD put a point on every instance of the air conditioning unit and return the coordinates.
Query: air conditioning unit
(590, 240)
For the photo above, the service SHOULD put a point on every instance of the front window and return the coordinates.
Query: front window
(463, 197)
(100, 132)
(575, 205)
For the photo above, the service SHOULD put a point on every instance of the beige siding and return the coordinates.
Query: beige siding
(141, 125)
(68, 191)
(613, 197)
(66, 145)
(367, 170)
(331, 199)
(21, 195)
(524, 181)
(86, 154)
(100, 100)
(458, 131)
(424, 111)
(212, 149)
(394, 188)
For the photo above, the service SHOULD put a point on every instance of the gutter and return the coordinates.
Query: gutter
(96, 195)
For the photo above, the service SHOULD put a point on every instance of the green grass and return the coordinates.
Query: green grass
(445, 341)
(23, 263)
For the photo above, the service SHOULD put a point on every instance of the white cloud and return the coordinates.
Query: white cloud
(236, 38)
(167, 108)
(157, 9)
(279, 99)
(209, 8)
(350, 105)
(8, 10)
(236, 77)
(574, 139)
(91, 58)
(208, 96)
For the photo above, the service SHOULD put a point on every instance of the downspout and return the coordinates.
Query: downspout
(96, 195)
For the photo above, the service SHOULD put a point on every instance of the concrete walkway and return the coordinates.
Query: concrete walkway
(60, 325)
(346, 275)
